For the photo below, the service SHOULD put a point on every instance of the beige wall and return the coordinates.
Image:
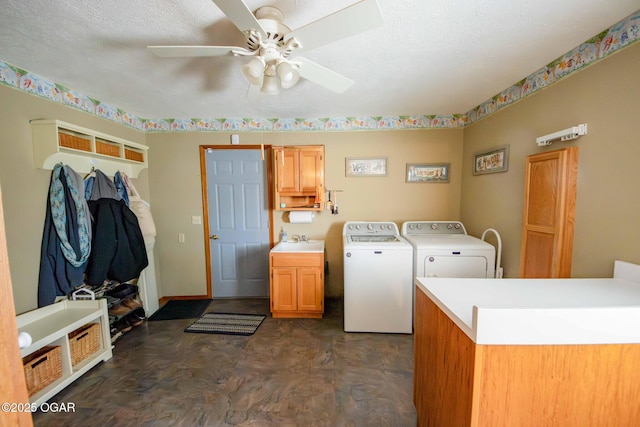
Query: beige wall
(25, 187)
(605, 96)
(177, 192)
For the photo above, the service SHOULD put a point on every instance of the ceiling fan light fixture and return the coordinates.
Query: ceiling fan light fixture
(253, 71)
(288, 75)
(270, 85)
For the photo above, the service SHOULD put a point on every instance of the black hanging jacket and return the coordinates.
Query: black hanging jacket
(117, 249)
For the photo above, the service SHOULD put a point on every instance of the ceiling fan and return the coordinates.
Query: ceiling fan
(271, 44)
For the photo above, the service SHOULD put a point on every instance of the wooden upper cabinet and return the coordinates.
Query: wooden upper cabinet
(311, 171)
(299, 177)
(287, 172)
(548, 213)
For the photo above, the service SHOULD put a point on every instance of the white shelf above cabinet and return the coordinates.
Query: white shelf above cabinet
(82, 149)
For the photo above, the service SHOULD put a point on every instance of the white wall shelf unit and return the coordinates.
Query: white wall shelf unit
(51, 325)
(55, 142)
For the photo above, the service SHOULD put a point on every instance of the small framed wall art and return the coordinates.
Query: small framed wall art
(428, 172)
(492, 161)
(366, 166)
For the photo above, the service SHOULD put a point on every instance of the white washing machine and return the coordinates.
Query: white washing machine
(378, 278)
(444, 249)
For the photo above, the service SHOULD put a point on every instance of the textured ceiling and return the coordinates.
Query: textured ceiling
(429, 57)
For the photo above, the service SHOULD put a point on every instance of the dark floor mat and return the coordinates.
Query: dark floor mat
(181, 309)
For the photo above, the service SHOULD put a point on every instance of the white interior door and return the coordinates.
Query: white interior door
(238, 222)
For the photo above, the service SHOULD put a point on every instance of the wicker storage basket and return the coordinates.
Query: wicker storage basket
(41, 368)
(83, 342)
(107, 148)
(71, 141)
(133, 155)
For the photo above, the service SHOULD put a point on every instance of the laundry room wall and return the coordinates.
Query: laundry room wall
(25, 185)
(605, 96)
(175, 179)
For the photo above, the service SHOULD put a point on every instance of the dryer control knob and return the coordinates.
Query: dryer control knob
(434, 226)
(369, 226)
(457, 226)
(449, 226)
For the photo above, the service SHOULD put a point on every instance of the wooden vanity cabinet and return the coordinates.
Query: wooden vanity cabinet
(297, 284)
(299, 177)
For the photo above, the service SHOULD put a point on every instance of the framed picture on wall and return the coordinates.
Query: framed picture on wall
(491, 161)
(366, 166)
(428, 172)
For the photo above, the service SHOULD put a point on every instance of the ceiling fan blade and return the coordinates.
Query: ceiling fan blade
(322, 76)
(190, 51)
(355, 19)
(241, 16)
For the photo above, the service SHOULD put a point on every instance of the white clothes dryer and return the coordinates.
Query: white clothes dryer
(378, 278)
(444, 249)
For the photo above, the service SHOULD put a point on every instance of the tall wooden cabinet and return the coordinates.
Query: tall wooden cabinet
(299, 177)
(548, 213)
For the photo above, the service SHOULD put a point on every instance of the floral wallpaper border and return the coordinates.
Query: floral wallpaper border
(622, 34)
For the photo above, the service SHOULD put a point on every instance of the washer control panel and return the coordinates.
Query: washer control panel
(412, 228)
(364, 227)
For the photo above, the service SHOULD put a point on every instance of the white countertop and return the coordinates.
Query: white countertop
(540, 311)
(307, 246)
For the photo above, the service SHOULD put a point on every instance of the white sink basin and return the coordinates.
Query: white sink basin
(310, 246)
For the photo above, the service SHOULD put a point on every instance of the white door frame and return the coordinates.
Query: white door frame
(205, 202)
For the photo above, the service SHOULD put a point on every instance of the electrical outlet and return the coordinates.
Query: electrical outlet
(195, 220)
(180, 237)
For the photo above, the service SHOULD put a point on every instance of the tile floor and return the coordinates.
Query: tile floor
(291, 372)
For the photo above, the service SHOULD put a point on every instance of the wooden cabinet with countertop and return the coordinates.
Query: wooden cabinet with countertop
(528, 352)
(297, 284)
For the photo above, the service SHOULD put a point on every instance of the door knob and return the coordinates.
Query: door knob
(214, 237)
